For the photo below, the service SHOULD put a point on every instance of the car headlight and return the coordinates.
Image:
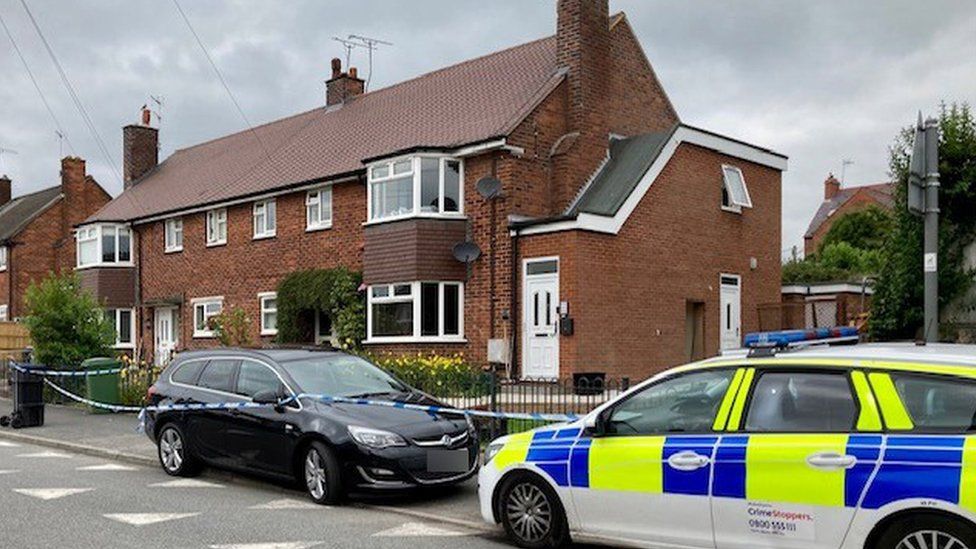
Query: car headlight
(492, 451)
(375, 438)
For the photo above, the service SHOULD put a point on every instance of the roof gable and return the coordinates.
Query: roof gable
(883, 194)
(21, 210)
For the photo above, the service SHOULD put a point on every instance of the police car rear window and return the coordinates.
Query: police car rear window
(938, 404)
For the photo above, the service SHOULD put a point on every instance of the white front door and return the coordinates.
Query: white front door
(540, 314)
(165, 330)
(731, 312)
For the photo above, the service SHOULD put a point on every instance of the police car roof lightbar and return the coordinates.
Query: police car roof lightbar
(768, 343)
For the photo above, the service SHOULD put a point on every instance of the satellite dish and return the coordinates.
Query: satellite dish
(489, 187)
(467, 251)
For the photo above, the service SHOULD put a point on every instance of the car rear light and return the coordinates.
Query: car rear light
(150, 393)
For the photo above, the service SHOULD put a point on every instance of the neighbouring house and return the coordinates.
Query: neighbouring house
(839, 201)
(37, 231)
(604, 234)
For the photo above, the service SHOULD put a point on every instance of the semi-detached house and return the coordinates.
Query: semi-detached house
(622, 240)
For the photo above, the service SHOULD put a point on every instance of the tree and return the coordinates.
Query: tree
(897, 308)
(65, 322)
(232, 328)
(866, 229)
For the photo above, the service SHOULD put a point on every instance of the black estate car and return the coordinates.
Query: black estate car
(329, 448)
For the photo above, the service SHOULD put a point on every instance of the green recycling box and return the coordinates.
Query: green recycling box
(102, 387)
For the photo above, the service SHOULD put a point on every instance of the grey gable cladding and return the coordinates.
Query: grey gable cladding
(16, 214)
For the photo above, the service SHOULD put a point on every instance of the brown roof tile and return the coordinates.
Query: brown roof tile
(476, 100)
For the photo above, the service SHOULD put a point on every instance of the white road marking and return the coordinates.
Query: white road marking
(282, 545)
(287, 504)
(142, 519)
(417, 529)
(8, 444)
(51, 493)
(8, 471)
(186, 483)
(108, 467)
(45, 454)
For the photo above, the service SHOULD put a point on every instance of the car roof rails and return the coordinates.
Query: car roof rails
(768, 344)
(324, 347)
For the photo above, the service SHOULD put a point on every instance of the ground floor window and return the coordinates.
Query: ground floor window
(415, 311)
(204, 309)
(269, 313)
(4, 313)
(123, 322)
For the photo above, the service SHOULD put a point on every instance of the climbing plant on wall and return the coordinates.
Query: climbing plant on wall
(333, 291)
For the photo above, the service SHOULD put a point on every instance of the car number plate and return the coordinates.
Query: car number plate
(447, 461)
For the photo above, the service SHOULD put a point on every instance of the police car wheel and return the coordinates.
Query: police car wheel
(928, 532)
(173, 453)
(320, 474)
(532, 514)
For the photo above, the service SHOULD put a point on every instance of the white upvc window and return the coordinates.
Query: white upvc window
(735, 193)
(265, 218)
(4, 313)
(269, 313)
(415, 312)
(217, 227)
(3, 258)
(318, 209)
(205, 308)
(123, 322)
(174, 234)
(104, 245)
(423, 185)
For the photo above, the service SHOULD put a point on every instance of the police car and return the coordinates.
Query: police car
(861, 446)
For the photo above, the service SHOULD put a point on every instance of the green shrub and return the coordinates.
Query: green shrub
(232, 328)
(65, 322)
(334, 291)
(135, 378)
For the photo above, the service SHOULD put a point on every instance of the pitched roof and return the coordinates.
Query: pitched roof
(882, 193)
(630, 158)
(472, 102)
(17, 213)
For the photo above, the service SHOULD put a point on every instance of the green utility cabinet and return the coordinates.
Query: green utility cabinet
(102, 387)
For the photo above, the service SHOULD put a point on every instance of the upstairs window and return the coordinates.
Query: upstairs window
(174, 234)
(318, 209)
(104, 245)
(265, 219)
(735, 193)
(3, 258)
(217, 227)
(421, 185)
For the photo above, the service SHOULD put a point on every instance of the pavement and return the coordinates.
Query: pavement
(95, 469)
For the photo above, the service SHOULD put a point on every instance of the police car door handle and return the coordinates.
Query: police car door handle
(831, 460)
(687, 461)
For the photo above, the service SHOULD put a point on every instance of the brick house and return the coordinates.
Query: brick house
(840, 201)
(36, 231)
(612, 237)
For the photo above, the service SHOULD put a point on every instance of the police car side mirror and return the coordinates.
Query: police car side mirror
(594, 424)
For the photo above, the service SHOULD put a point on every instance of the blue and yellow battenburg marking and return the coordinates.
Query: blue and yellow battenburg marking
(763, 467)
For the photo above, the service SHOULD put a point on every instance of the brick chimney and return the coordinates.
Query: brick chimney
(831, 187)
(73, 183)
(4, 189)
(140, 149)
(583, 48)
(342, 86)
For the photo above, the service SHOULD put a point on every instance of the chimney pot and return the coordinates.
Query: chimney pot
(353, 73)
(146, 115)
(336, 67)
(5, 189)
(831, 187)
(342, 86)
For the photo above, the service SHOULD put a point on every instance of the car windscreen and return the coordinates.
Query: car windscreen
(342, 376)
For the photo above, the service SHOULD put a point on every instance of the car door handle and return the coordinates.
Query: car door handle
(687, 461)
(831, 460)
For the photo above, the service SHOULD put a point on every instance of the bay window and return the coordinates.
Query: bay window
(265, 219)
(415, 311)
(217, 227)
(204, 309)
(123, 322)
(421, 185)
(104, 245)
(174, 234)
(318, 209)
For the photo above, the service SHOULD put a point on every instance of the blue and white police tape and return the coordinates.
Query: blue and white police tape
(437, 409)
(63, 373)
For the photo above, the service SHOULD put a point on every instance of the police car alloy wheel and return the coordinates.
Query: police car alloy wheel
(930, 539)
(927, 531)
(174, 456)
(320, 472)
(531, 513)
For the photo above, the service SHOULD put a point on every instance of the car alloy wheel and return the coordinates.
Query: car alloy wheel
(529, 512)
(930, 539)
(315, 477)
(171, 450)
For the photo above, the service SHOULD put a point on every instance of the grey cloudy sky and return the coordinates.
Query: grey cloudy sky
(819, 81)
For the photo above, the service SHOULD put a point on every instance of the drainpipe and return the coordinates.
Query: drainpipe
(513, 315)
(140, 323)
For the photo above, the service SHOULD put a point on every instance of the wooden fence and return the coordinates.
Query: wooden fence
(14, 340)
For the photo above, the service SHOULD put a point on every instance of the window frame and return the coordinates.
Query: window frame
(267, 211)
(415, 298)
(4, 258)
(214, 218)
(4, 313)
(117, 313)
(321, 223)
(94, 233)
(262, 310)
(174, 225)
(416, 175)
(763, 370)
(733, 205)
(203, 302)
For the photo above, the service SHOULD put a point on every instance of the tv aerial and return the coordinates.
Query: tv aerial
(357, 41)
